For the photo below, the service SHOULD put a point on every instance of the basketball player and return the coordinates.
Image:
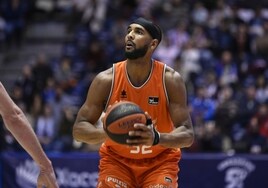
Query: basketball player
(19, 126)
(151, 160)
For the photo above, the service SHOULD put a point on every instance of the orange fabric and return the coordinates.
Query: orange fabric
(116, 171)
(151, 97)
(143, 166)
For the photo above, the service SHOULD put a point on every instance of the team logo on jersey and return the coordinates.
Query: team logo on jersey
(153, 100)
(115, 182)
(123, 94)
(168, 179)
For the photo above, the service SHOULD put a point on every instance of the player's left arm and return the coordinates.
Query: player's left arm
(183, 134)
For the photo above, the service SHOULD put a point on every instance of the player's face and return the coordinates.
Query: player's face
(137, 42)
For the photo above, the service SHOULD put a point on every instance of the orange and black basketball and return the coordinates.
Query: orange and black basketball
(120, 119)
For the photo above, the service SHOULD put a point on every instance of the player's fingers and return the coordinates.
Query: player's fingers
(114, 103)
(102, 117)
(147, 114)
(148, 119)
(41, 186)
(140, 133)
(139, 126)
(111, 106)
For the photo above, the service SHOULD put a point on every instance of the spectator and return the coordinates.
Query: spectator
(95, 14)
(226, 115)
(64, 138)
(167, 52)
(178, 35)
(261, 89)
(211, 139)
(199, 14)
(17, 93)
(63, 72)
(199, 37)
(201, 106)
(256, 23)
(226, 69)
(36, 107)
(60, 100)
(248, 104)
(211, 83)
(144, 8)
(95, 57)
(41, 72)
(242, 39)
(221, 37)
(46, 127)
(262, 116)
(49, 91)
(261, 40)
(26, 82)
(191, 67)
(256, 142)
(14, 13)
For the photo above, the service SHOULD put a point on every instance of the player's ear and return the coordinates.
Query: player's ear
(154, 44)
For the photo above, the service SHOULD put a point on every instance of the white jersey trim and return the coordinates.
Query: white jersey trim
(150, 75)
(111, 90)
(164, 83)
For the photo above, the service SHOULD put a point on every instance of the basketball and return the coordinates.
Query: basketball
(120, 119)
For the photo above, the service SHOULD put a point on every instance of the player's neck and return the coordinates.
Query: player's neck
(138, 71)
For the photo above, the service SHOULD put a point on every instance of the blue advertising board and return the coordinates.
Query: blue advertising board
(73, 170)
(223, 171)
(80, 170)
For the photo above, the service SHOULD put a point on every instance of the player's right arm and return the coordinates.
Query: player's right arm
(84, 129)
(17, 123)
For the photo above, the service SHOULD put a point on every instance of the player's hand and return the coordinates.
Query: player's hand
(47, 179)
(143, 134)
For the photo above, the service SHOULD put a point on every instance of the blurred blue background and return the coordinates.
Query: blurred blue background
(50, 50)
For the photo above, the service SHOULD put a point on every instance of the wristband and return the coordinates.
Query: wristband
(149, 121)
(156, 137)
(156, 133)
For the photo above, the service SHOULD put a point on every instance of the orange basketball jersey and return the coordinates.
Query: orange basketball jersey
(151, 97)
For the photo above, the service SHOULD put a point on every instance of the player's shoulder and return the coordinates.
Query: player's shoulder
(172, 75)
(102, 82)
(100, 87)
(174, 83)
(105, 76)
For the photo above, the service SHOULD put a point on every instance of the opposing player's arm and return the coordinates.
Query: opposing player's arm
(84, 129)
(17, 123)
(183, 135)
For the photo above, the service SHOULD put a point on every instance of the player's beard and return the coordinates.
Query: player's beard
(137, 53)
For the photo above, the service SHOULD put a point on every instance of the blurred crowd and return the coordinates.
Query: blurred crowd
(219, 47)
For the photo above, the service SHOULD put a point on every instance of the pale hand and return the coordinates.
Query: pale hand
(47, 179)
